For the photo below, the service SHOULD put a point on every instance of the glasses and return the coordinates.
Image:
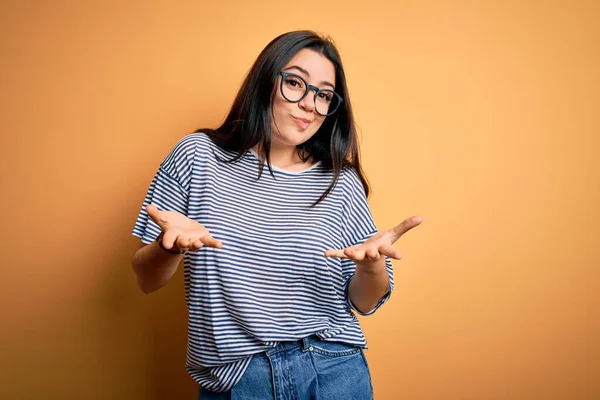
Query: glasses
(294, 88)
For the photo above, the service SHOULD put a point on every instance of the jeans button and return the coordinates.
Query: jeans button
(310, 348)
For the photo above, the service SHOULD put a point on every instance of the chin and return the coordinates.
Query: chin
(302, 138)
(294, 137)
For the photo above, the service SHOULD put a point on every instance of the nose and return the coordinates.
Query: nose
(308, 102)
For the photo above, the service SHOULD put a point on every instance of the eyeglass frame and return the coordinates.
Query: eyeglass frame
(308, 89)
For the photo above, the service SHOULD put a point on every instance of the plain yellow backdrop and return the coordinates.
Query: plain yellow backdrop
(480, 116)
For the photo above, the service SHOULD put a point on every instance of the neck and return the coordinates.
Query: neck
(282, 156)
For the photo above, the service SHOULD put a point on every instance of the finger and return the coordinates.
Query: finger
(335, 253)
(183, 242)
(195, 243)
(405, 226)
(372, 254)
(156, 215)
(169, 239)
(357, 254)
(211, 241)
(390, 251)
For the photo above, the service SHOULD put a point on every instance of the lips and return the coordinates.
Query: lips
(302, 122)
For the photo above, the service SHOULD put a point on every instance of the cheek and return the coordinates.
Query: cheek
(280, 107)
(319, 122)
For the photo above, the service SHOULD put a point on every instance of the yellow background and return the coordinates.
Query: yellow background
(480, 116)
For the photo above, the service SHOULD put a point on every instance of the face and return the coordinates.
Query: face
(295, 123)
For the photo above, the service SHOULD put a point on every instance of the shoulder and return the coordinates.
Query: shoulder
(350, 179)
(190, 148)
(192, 143)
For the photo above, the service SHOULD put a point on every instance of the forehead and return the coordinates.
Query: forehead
(317, 65)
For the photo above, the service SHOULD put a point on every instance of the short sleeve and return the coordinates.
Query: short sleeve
(357, 227)
(169, 189)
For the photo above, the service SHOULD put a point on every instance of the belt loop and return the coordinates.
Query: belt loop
(305, 344)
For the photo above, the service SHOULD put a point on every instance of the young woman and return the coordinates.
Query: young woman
(278, 261)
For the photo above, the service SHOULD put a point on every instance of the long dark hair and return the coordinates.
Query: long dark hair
(249, 121)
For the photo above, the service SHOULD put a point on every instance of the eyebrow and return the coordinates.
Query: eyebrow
(307, 74)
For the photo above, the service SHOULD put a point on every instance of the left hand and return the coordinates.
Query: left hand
(378, 244)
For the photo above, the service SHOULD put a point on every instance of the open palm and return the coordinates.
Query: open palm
(377, 245)
(180, 231)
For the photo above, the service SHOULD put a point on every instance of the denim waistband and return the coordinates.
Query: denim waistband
(304, 344)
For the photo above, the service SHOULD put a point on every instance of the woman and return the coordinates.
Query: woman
(276, 263)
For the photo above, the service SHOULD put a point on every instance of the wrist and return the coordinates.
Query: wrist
(370, 267)
(174, 250)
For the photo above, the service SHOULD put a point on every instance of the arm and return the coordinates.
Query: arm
(371, 283)
(168, 191)
(368, 285)
(154, 267)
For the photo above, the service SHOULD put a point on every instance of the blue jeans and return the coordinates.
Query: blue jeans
(307, 369)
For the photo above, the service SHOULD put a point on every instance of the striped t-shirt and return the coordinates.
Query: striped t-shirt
(270, 282)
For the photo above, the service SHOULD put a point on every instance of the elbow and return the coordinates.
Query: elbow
(146, 290)
(366, 310)
(145, 287)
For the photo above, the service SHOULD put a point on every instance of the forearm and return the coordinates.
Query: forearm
(154, 267)
(368, 285)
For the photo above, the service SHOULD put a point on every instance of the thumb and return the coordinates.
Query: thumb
(156, 215)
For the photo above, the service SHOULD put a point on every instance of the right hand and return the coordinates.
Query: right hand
(181, 231)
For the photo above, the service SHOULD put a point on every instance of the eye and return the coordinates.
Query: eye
(294, 82)
(327, 96)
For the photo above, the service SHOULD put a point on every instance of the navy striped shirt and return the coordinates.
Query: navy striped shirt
(270, 282)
